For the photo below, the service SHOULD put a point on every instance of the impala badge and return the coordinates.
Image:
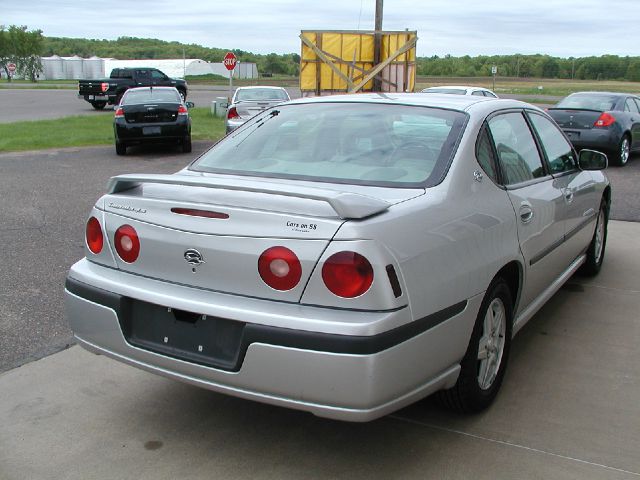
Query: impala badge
(193, 257)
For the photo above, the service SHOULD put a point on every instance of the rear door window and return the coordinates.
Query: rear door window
(518, 154)
(484, 153)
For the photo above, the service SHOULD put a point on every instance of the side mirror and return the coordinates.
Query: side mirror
(190, 104)
(592, 160)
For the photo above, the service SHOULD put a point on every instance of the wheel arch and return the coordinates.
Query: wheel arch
(512, 274)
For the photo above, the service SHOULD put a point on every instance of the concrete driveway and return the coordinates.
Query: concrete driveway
(569, 409)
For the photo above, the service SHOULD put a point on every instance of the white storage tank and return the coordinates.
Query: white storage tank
(53, 68)
(93, 67)
(73, 67)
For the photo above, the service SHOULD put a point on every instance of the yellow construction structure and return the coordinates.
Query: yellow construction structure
(344, 61)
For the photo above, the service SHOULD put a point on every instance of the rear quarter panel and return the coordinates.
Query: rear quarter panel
(450, 242)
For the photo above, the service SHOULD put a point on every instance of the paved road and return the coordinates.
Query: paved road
(34, 104)
(45, 199)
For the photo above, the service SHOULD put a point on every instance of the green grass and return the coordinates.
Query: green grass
(86, 130)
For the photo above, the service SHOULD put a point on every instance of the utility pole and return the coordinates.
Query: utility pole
(377, 43)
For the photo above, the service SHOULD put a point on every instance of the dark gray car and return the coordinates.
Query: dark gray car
(601, 120)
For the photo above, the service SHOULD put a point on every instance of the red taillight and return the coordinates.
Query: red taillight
(347, 274)
(279, 268)
(104, 87)
(182, 110)
(119, 113)
(605, 120)
(232, 113)
(94, 237)
(127, 243)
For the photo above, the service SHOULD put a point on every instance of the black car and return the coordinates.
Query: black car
(601, 121)
(152, 115)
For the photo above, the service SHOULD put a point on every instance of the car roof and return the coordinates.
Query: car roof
(451, 102)
(607, 94)
(461, 87)
(150, 87)
(253, 87)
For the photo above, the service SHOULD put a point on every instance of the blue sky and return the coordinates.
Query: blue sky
(560, 28)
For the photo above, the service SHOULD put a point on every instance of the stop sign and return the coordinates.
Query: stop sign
(230, 61)
(12, 67)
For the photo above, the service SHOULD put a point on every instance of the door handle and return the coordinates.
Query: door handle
(526, 213)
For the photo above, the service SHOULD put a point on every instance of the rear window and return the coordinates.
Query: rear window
(119, 73)
(355, 143)
(588, 102)
(268, 94)
(133, 97)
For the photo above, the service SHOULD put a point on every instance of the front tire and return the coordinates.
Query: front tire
(595, 251)
(624, 151)
(485, 362)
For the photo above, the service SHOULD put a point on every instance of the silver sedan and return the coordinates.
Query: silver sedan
(345, 255)
(249, 101)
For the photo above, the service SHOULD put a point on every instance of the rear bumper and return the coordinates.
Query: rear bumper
(164, 132)
(91, 97)
(596, 138)
(358, 375)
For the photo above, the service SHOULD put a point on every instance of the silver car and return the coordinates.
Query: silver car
(461, 90)
(249, 101)
(344, 255)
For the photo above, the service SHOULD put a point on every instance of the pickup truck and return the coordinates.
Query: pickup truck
(109, 90)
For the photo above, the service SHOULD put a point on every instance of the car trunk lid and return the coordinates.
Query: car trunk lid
(151, 112)
(247, 109)
(573, 118)
(226, 224)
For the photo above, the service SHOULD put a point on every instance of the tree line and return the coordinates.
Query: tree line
(22, 48)
(605, 67)
(130, 48)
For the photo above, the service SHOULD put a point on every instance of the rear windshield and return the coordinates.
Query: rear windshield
(355, 143)
(455, 91)
(133, 97)
(261, 94)
(589, 102)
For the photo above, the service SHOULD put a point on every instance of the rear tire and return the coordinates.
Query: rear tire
(98, 105)
(595, 251)
(186, 144)
(121, 148)
(621, 156)
(485, 362)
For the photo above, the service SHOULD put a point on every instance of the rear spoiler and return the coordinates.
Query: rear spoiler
(346, 205)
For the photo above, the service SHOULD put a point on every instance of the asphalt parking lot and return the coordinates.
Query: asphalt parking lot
(25, 104)
(569, 408)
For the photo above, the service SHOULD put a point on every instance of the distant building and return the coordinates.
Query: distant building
(76, 68)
